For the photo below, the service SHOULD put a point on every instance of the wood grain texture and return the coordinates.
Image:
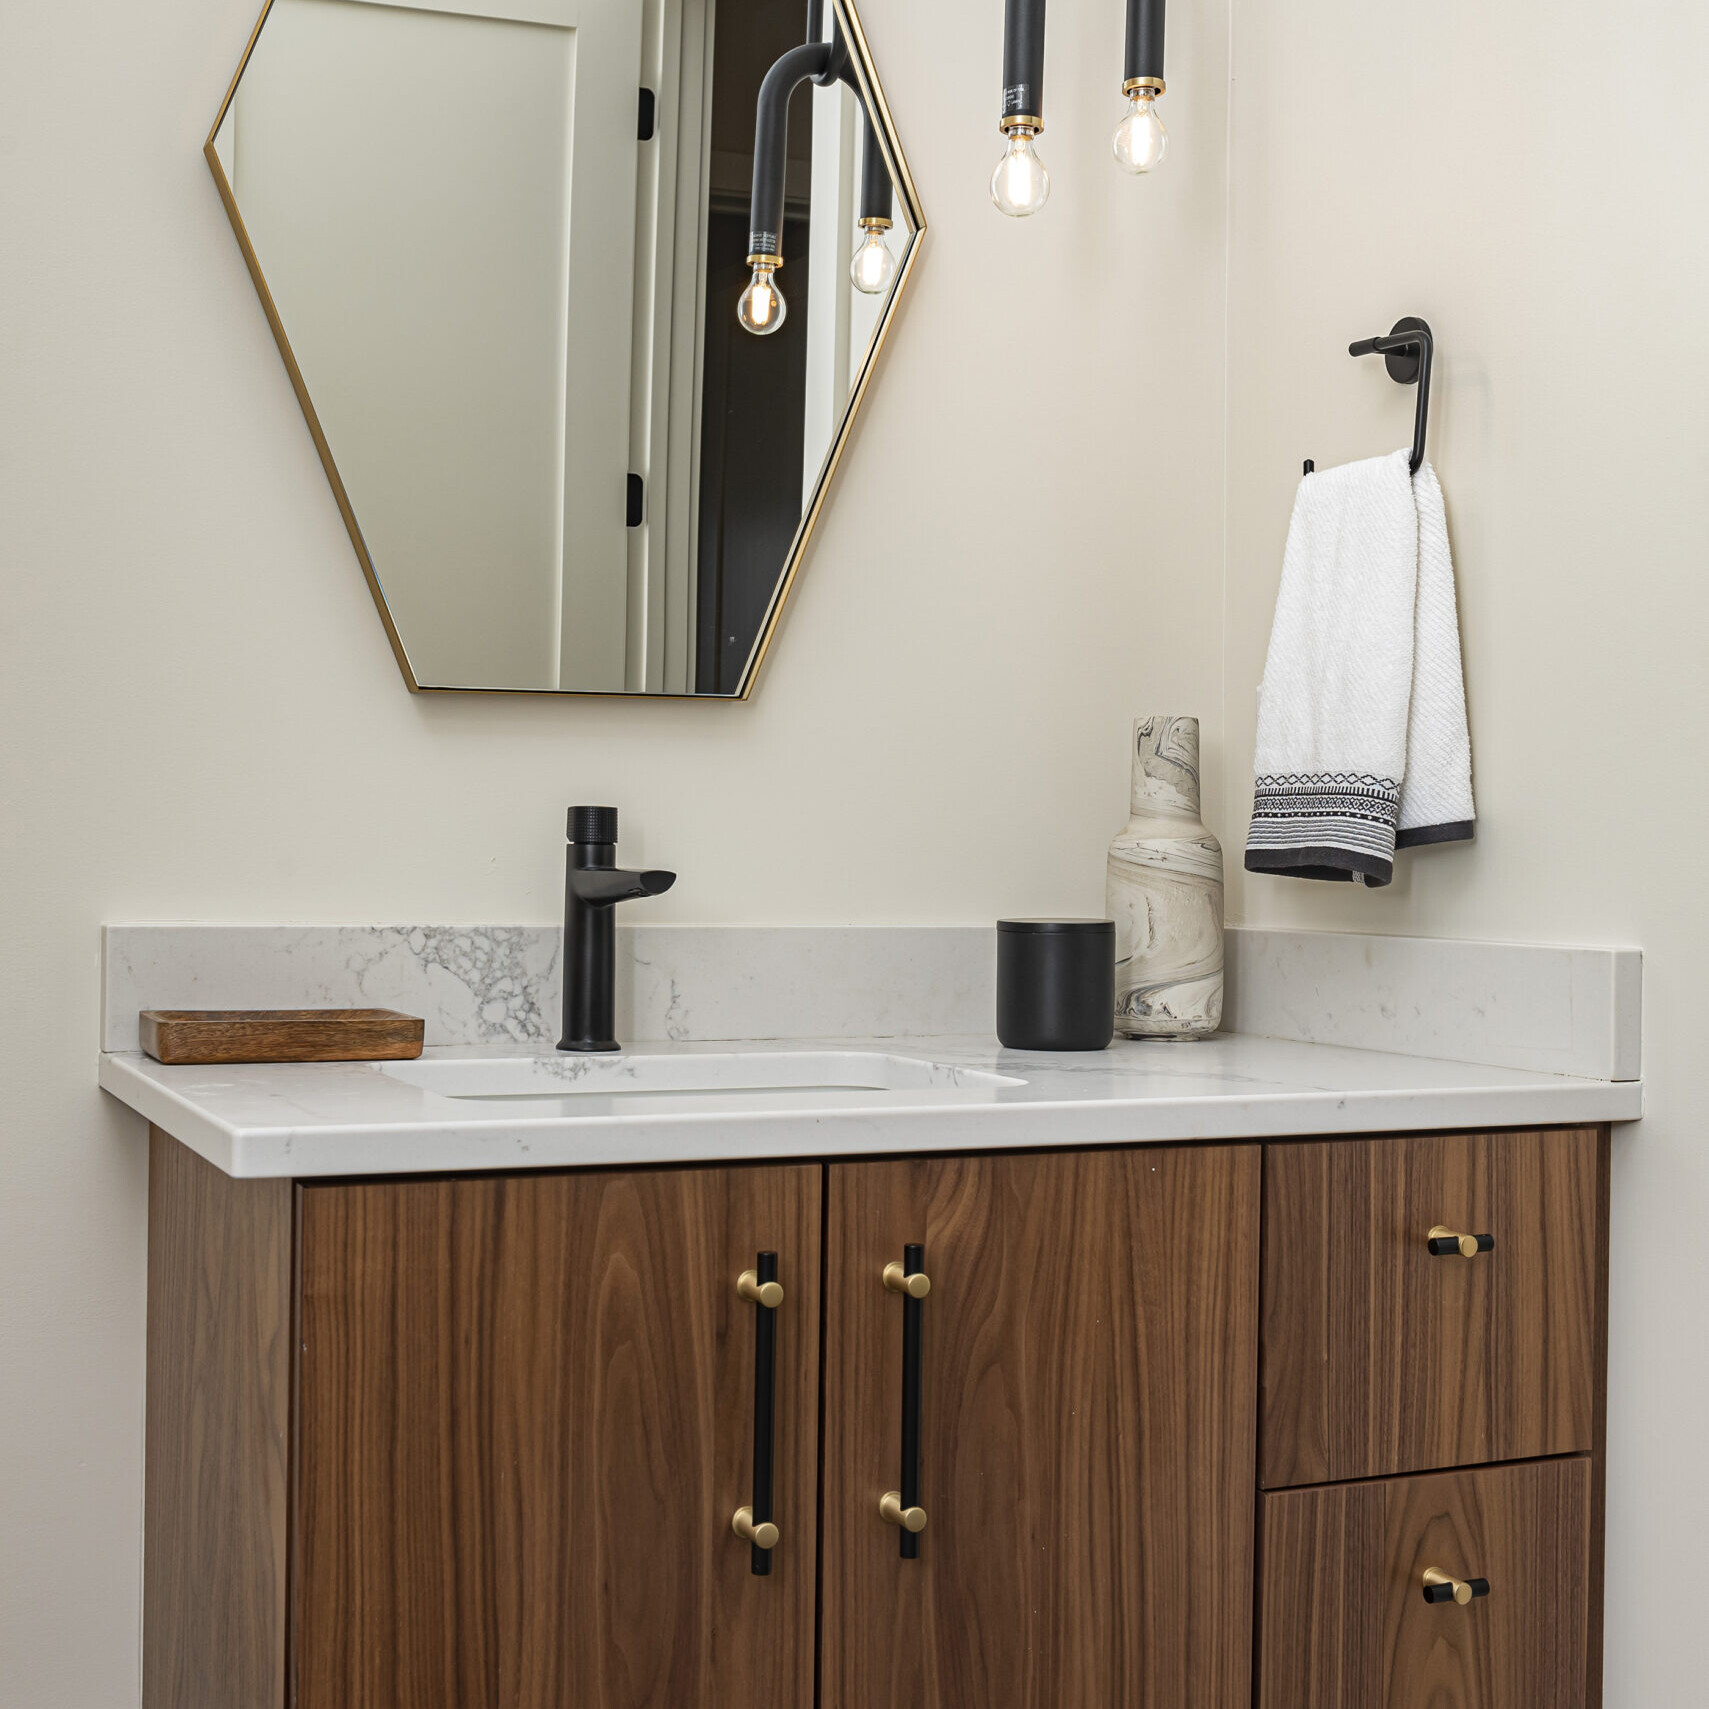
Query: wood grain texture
(218, 1422)
(1089, 1413)
(1344, 1624)
(526, 1414)
(280, 1035)
(1599, 1429)
(1378, 1358)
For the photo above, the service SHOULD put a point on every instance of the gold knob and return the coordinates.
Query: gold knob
(768, 1294)
(916, 1287)
(762, 1536)
(1445, 1241)
(1444, 1587)
(894, 1513)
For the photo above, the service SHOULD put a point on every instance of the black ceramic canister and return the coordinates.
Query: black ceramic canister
(1056, 984)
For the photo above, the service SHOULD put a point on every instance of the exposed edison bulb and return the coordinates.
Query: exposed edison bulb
(873, 266)
(1140, 139)
(762, 309)
(1020, 185)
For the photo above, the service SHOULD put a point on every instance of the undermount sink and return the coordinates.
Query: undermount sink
(590, 1085)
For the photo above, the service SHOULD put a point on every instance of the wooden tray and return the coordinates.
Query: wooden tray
(280, 1035)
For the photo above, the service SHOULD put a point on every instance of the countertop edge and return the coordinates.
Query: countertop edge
(329, 1150)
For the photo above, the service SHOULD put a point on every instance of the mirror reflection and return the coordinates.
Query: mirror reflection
(578, 296)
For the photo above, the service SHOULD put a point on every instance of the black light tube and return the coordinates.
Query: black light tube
(1023, 60)
(875, 192)
(771, 142)
(1144, 42)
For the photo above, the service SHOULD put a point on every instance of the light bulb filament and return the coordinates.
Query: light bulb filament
(873, 266)
(1140, 140)
(761, 308)
(1020, 186)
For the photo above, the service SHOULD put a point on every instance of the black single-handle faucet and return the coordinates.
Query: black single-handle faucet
(593, 886)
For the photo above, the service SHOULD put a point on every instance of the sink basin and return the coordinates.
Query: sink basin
(609, 1085)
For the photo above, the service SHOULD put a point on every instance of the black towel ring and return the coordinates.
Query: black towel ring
(1406, 351)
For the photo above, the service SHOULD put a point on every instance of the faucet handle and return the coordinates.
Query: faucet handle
(592, 825)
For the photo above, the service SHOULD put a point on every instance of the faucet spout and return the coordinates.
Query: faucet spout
(599, 887)
(593, 885)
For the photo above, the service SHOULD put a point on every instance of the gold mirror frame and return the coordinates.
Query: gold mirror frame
(873, 94)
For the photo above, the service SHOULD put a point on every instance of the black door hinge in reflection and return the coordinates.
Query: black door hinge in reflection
(637, 494)
(647, 117)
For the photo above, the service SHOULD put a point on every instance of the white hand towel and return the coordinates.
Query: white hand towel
(1362, 739)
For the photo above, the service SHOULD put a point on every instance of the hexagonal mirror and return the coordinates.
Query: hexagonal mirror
(579, 298)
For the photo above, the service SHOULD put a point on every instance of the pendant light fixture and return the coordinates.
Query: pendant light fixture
(761, 308)
(1020, 185)
(873, 266)
(1140, 139)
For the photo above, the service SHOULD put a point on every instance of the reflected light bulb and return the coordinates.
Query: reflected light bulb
(762, 309)
(1140, 139)
(873, 266)
(1020, 185)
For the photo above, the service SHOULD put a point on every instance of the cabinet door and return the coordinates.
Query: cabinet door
(1345, 1624)
(525, 1419)
(1088, 1399)
(1380, 1357)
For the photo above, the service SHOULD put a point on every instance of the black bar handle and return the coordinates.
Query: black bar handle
(901, 1507)
(761, 1287)
(1449, 1243)
(1444, 1587)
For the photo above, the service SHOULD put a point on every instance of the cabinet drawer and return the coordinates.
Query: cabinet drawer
(1343, 1621)
(1379, 1357)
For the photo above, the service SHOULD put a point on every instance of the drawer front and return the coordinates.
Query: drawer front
(1343, 1622)
(1381, 1357)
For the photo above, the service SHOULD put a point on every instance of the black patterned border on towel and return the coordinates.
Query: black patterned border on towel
(1324, 824)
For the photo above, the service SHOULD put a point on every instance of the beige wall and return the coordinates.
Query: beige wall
(203, 719)
(1528, 178)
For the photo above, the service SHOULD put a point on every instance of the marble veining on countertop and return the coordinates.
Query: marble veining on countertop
(1558, 1009)
(324, 1119)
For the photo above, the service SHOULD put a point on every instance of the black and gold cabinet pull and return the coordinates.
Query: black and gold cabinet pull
(755, 1525)
(1443, 1587)
(901, 1507)
(1449, 1243)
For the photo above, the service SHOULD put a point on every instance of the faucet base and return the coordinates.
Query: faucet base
(589, 1045)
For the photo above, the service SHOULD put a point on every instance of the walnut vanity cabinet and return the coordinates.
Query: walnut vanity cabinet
(1345, 1624)
(1164, 1427)
(1088, 1384)
(503, 1470)
(1432, 1303)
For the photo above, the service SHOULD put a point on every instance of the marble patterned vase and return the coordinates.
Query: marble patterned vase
(1163, 889)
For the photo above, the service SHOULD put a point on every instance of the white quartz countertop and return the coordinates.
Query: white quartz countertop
(324, 1119)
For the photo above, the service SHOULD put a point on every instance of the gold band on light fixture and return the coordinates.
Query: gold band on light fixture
(875, 222)
(1134, 83)
(769, 262)
(1028, 122)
